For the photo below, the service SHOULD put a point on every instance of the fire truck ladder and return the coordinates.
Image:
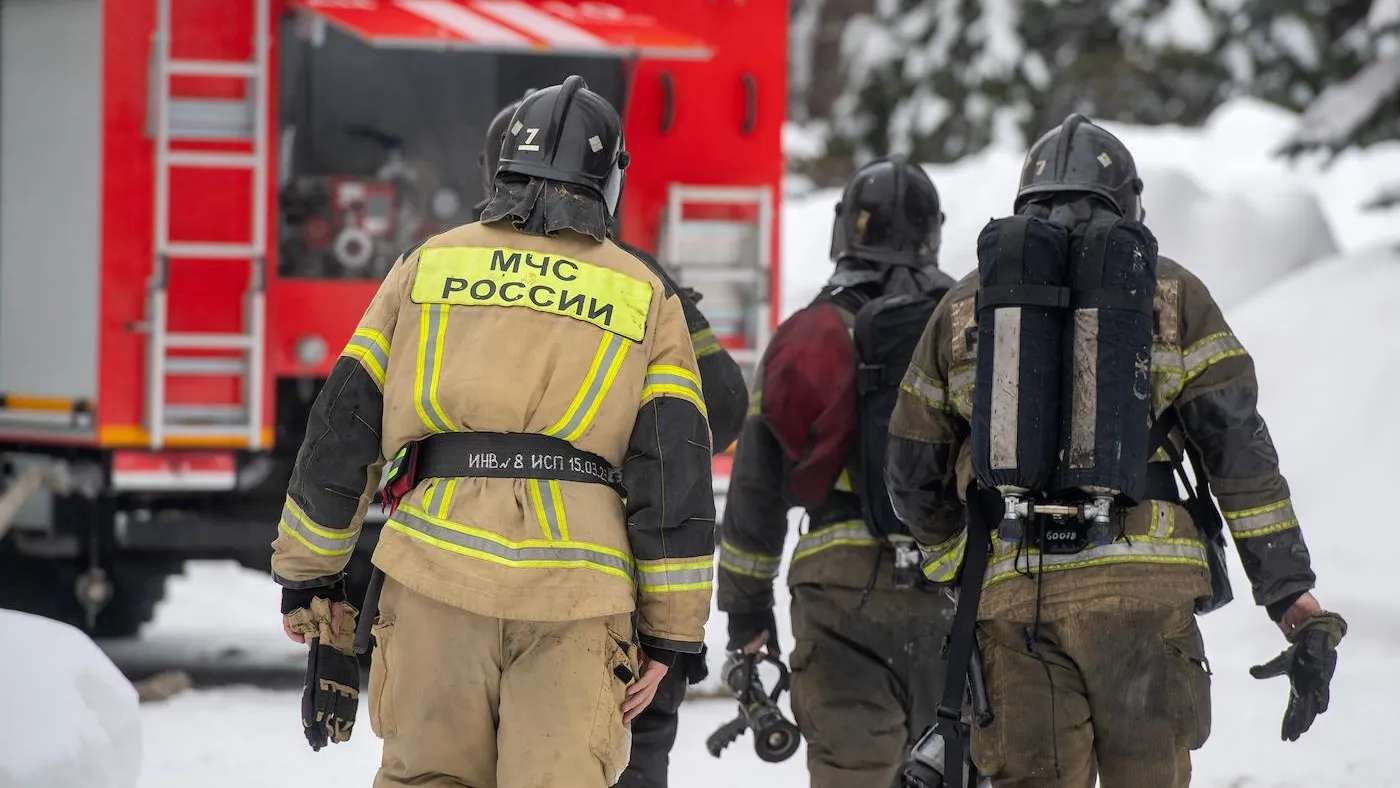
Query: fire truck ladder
(217, 423)
(733, 254)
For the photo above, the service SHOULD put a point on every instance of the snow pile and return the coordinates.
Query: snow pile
(70, 718)
(1217, 198)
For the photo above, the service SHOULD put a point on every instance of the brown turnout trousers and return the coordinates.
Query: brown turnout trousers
(1117, 688)
(464, 700)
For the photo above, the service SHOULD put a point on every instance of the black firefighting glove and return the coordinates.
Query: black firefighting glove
(331, 693)
(1309, 664)
(744, 627)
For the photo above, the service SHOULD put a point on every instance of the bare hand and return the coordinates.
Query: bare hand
(337, 613)
(764, 638)
(643, 690)
(1305, 606)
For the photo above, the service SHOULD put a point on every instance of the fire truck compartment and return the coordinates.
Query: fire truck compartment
(50, 187)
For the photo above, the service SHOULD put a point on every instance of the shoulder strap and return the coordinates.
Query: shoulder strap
(1160, 438)
(962, 638)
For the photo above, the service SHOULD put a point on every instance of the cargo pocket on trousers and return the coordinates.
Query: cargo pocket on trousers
(988, 750)
(381, 696)
(611, 740)
(1190, 677)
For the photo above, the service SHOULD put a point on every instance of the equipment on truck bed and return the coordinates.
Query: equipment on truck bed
(228, 183)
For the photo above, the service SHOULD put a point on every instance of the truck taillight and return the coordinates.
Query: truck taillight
(174, 471)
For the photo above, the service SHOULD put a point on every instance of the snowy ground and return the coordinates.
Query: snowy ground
(1323, 329)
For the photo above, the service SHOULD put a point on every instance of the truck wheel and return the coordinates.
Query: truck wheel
(44, 587)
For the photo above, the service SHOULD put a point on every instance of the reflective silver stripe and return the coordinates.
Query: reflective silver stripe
(496, 549)
(1179, 551)
(658, 576)
(1262, 520)
(1210, 350)
(960, 384)
(1167, 361)
(918, 384)
(600, 376)
(850, 533)
(705, 342)
(370, 344)
(321, 540)
(669, 379)
(941, 561)
(763, 567)
(1084, 395)
(1006, 386)
(428, 360)
(549, 495)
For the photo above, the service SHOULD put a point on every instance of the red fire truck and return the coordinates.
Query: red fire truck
(199, 197)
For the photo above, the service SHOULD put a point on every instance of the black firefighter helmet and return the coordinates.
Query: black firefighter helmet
(1080, 157)
(569, 134)
(490, 157)
(889, 213)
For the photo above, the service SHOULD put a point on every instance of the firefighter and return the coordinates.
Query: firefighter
(866, 665)
(726, 399)
(1093, 660)
(537, 391)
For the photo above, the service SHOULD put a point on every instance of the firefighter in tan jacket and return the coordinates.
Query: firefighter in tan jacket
(536, 390)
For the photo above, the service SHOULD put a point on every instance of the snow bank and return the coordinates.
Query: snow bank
(1217, 198)
(70, 719)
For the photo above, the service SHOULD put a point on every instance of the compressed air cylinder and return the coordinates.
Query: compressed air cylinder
(1022, 308)
(1108, 360)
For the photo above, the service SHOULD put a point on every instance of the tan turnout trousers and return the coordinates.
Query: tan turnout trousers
(467, 701)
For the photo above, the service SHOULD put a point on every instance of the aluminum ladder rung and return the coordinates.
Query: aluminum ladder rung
(212, 68)
(206, 416)
(193, 365)
(210, 251)
(208, 341)
(220, 160)
(223, 433)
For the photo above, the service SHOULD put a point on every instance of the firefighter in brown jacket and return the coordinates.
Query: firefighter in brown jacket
(726, 400)
(536, 390)
(1093, 660)
(866, 666)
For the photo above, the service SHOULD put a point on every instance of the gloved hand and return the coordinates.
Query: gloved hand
(331, 693)
(745, 629)
(1309, 664)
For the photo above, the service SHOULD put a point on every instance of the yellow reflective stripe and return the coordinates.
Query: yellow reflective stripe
(941, 562)
(755, 403)
(960, 383)
(544, 499)
(550, 284)
(319, 540)
(1163, 519)
(851, 533)
(607, 361)
(1203, 354)
(496, 549)
(740, 562)
(372, 350)
(1262, 520)
(925, 388)
(671, 575)
(705, 342)
(445, 490)
(1142, 549)
(843, 482)
(664, 379)
(433, 320)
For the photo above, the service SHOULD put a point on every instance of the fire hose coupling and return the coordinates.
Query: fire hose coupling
(775, 737)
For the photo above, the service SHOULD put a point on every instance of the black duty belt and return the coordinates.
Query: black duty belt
(499, 455)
